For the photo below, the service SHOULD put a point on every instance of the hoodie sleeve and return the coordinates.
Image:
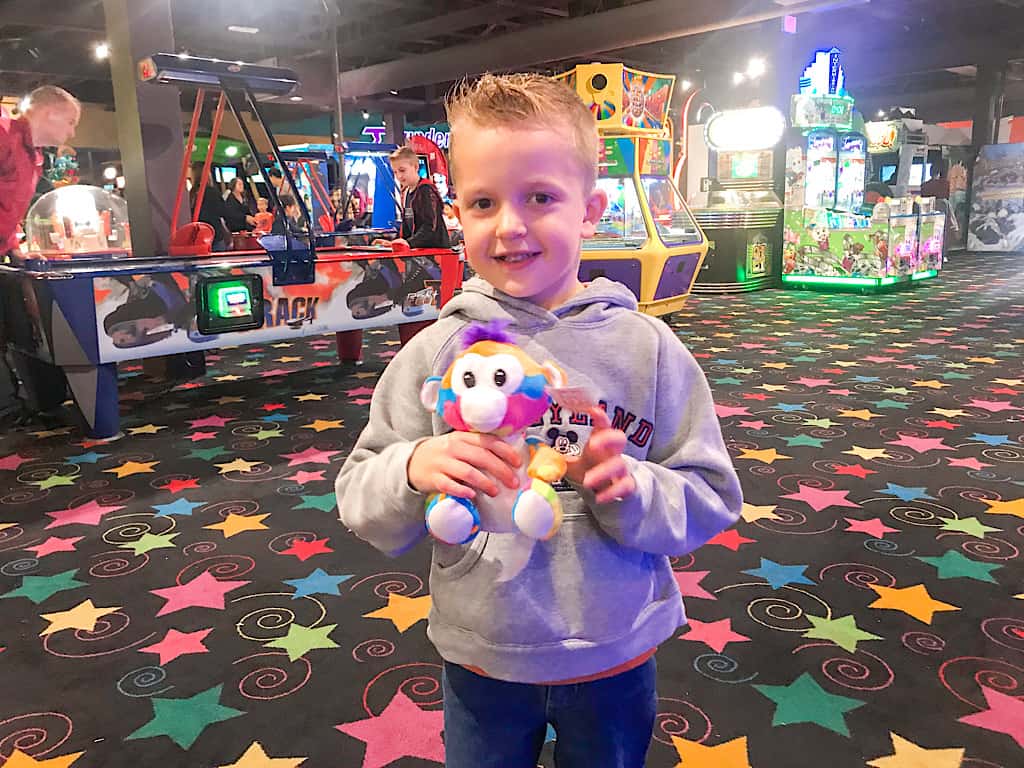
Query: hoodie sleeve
(687, 489)
(375, 500)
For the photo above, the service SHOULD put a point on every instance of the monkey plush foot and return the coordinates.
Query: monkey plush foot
(537, 511)
(452, 520)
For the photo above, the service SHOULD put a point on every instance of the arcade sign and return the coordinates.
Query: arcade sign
(744, 130)
(824, 75)
(810, 111)
(883, 136)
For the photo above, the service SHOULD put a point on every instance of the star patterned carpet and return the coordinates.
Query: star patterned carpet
(186, 597)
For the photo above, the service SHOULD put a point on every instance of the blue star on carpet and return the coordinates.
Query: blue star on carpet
(991, 439)
(778, 575)
(789, 407)
(319, 582)
(904, 492)
(182, 507)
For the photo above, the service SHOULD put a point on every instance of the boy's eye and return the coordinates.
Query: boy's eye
(541, 198)
(482, 204)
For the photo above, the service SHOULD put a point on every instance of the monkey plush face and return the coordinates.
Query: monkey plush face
(492, 387)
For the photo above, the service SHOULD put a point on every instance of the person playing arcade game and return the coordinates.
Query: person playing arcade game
(422, 226)
(49, 120)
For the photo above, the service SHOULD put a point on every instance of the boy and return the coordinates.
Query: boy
(561, 631)
(292, 218)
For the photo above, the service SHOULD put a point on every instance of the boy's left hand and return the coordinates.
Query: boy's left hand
(601, 468)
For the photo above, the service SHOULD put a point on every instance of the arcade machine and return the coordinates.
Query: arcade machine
(828, 240)
(92, 302)
(742, 213)
(647, 238)
(899, 154)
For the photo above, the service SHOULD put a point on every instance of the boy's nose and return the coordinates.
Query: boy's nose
(511, 224)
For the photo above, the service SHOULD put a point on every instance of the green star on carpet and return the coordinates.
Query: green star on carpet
(301, 640)
(842, 631)
(183, 720)
(267, 434)
(954, 375)
(53, 481)
(248, 363)
(969, 525)
(207, 454)
(41, 588)
(804, 359)
(150, 541)
(953, 565)
(896, 391)
(325, 502)
(804, 701)
(823, 423)
(887, 403)
(814, 442)
(728, 380)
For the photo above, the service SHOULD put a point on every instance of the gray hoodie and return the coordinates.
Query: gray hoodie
(601, 591)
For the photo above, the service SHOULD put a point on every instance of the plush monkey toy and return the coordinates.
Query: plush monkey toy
(494, 387)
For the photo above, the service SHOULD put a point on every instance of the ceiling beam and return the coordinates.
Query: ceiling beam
(637, 24)
(86, 17)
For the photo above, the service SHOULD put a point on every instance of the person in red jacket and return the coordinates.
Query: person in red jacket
(49, 120)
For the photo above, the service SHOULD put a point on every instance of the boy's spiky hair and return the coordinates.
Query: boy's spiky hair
(531, 100)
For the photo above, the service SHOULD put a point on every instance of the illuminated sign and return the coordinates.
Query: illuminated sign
(812, 111)
(439, 134)
(825, 75)
(883, 136)
(375, 132)
(742, 130)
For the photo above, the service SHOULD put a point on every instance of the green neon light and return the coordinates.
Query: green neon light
(887, 281)
(820, 280)
(232, 300)
(924, 275)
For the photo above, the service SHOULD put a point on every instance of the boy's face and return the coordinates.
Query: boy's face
(406, 174)
(292, 211)
(524, 210)
(261, 205)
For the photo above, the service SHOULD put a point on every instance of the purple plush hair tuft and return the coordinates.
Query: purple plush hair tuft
(492, 331)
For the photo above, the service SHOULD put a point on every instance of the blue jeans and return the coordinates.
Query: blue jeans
(602, 724)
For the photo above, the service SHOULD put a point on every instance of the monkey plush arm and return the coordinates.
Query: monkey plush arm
(546, 464)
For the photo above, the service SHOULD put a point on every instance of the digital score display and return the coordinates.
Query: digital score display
(229, 303)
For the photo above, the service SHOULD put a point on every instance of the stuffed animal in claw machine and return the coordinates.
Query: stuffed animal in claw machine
(494, 387)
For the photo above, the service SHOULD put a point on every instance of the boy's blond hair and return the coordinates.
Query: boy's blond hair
(405, 154)
(526, 100)
(52, 96)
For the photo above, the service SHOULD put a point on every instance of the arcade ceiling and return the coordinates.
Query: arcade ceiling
(402, 55)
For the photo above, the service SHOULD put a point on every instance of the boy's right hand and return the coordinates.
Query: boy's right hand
(462, 463)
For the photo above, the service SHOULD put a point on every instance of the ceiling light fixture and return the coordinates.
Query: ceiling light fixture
(101, 50)
(686, 84)
(230, 150)
(110, 173)
(243, 30)
(738, 77)
(366, 115)
(756, 68)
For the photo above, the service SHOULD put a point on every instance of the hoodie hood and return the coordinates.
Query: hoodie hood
(598, 301)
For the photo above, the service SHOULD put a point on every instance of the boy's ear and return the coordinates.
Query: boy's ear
(597, 201)
(429, 392)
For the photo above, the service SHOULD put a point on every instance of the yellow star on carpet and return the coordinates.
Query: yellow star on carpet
(907, 754)
(228, 399)
(367, 375)
(50, 432)
(1010, 507)
(282, 345)
(392, 343)
(913, 601)
(234, 524)
(19, 759)
(777, 366)
(82, 616)
(287, 359)
(309, 396)
(986, 360)
(133, 468)
(846, 363)
(402, 611)
(767, 455)
(868, 453)
(893, 330)
(949, 413)
(1009, 382)
(227, 377)
(148, 429)
(863, 414)
(773, 387)
(931, 384)
(751, 513)
(839, 346)
(5, 526)
(256, 757)
(731, 754)
(238, 465)
(1019, 597)
(321, 424)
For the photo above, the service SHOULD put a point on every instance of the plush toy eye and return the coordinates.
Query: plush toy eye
(503, 372)
(467, 373)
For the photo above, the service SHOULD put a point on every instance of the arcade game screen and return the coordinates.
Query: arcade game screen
(821, 169)
(673, 221)
(622, 225)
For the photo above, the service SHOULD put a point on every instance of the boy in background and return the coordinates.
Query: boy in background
(561, 631)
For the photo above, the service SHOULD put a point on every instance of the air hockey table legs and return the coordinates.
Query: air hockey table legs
(94, 389)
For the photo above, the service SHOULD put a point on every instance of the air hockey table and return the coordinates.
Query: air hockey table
(88, 312)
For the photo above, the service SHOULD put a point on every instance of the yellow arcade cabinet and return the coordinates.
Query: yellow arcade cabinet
(647, 238)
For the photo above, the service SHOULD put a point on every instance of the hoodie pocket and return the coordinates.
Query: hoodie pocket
(452, 561)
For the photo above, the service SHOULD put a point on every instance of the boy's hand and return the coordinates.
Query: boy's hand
(462, 463)
(601, 468)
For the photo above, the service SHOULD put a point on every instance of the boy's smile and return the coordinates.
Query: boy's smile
(524, 209)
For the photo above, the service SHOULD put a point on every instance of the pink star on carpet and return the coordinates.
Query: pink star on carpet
(89, 513)
(13, 461)
(813, 382)
(204, 591)
(306, 549)
(689, 584)
(922, 444)
(971, 463)
(209, 421)
(177, 644)
(274, 372)
(302, 477)
(175, 486)
(309, 456)
(55, 544)
(750, 345)
(401, 730)
(715, 634)
(759, 396)
(360, 401)
(1003, 391)
(873, 527)
(195, 437)
(876, 359)
(818, 499)
(840, 392)
(1005, 714)
(908, 367)
(725, 411)
(730, 539)
(994, 406)
(856, 470)
(358, 391)
(941, 424)
(932, 341)
(753, 424)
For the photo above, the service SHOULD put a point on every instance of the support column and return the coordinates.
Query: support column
(988, 103)
(149, 127)
(394, 124)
